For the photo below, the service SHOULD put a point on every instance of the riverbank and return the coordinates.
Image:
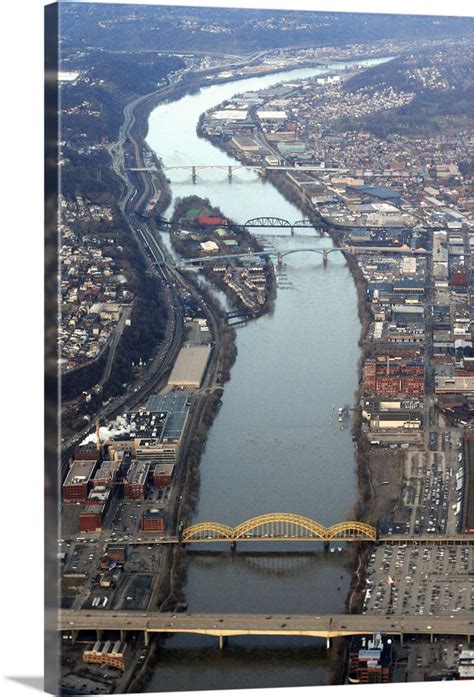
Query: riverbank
(295, 198)
(250, 288)
(363, 504)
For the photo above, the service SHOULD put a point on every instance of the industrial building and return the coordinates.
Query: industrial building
(163, 474)
(107, 473)
(87, 451)
(154, 434)
(91, 517)
(454, 384)
(190, 366)
(77, 483)
(467, 521)
(109, 653)
(134, 484)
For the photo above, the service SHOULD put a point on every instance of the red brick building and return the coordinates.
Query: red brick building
(77, 483)
(163, 474)
(135, 483)
(117, 553)
(393, 379)
(153, 521)
(91, 517)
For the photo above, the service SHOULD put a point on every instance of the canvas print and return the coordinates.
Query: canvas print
(263, 348)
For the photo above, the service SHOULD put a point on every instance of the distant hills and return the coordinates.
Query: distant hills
(239, 31)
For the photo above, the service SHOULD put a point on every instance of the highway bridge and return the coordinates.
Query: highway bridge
(223, 626)
(279, 527)
(261, 169)
(264, 254)
(398, 540)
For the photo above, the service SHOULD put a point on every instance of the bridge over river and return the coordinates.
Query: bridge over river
(223, 626)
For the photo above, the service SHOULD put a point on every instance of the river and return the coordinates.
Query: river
(276, 443)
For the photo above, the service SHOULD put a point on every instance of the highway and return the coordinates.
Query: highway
(225, 625)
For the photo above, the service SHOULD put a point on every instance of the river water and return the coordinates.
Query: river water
(276, 443)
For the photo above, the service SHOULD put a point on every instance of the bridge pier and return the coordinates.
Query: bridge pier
(279, 260)
(229, 172)
(98, 633)
(292, 231)
(328, 643)
(326, 546)
(222, 641)
(325, 257)
(233, 546)
(146, 638)
(193, 174)
(123, 635)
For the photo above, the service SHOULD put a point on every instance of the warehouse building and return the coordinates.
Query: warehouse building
(467, 521)
(163, 474)
(154, 434)
(190, 366)
(77, 483)
(134, 485)
(108, 653)
(91, 517)
(107, 473)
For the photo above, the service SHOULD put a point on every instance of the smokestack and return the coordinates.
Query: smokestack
(97, 433)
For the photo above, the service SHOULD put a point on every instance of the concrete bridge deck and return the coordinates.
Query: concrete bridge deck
(227, 625)
(151, 539)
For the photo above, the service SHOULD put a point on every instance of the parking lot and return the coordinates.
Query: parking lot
(415, 580)
(417, 659)
(428, 497)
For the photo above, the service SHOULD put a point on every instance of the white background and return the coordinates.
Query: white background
(21, 339)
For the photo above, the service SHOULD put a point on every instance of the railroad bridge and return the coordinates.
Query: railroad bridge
(262, 222)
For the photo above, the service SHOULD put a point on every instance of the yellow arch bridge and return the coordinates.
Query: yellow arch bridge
(279, 527)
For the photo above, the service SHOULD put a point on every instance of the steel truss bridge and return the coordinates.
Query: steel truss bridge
(265, 221)
(279, 527)
(272, 222)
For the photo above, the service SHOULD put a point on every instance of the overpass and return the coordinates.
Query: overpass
(223, 626)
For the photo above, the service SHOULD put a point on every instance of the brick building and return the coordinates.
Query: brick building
(153, 521)
(77, 483)
(135, 482)
(163, 474)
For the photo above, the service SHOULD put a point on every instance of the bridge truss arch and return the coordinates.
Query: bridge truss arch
(303, 223)
(268, 221)
(352, 530)
(208, 531)
(280, 525)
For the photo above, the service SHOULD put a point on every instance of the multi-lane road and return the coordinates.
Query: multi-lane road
(226, 625)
